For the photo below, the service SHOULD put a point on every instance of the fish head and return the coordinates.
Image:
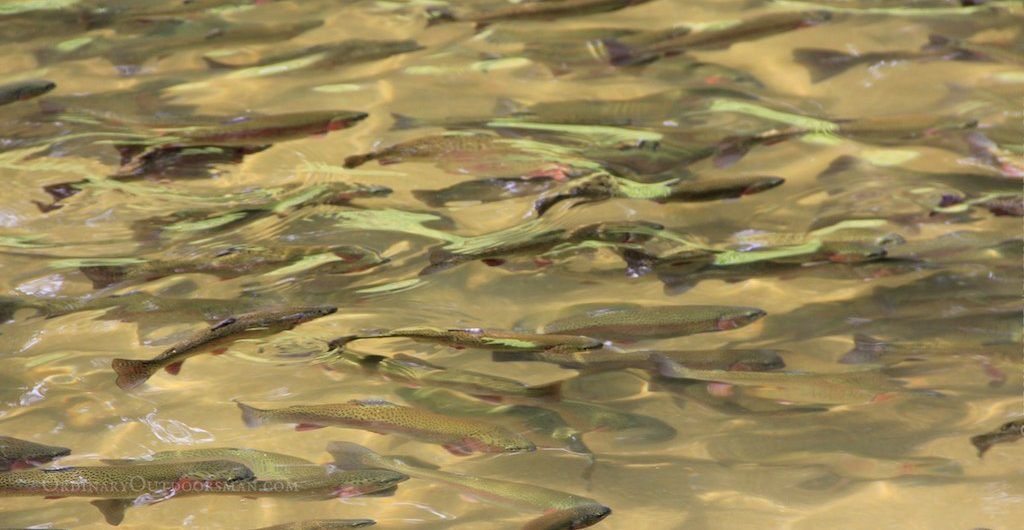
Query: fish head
(759, 184)
(1007, 432)
(739, 317)
(33, 88)
(578, 516)
(497, 441)
(345, 119)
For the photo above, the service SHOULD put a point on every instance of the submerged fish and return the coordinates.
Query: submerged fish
(321, 524)
(132, 373)
(23, 90)
(485, 190)
(230, 262)
(546, 10)
(609, 359)
(1010, 431)
(460, 436)
(409, 369)
(621, 53)
(21, 454)
(123, 486)
(327, 55)
(864, 386)
(490, 339)
(583, 512)
(869, 349)
(283, 475)
(637, 323)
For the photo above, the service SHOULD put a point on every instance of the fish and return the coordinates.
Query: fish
(586, 512)
(24, 90)
(824, 64)
(409, 369)
(132, 373)
(21, 454)
(229, 262)
(485, 190)
(863, 386)
(580, 516)
(548, 10)
(655, 322)
(123, 486)
(870, 349)
(622, 54)
(490, 339)
(755, 360)
(331, 55)
(538, 420)
(459, 436)
(627, 426)
(282, 475)
(720, 188)
(1010, 431)
(321, 524)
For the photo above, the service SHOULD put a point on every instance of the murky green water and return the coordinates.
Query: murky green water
(153, 193)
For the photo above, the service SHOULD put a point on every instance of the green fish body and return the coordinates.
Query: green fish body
(322, 524)
(22, 90)
(19, 454)
(1010, 431)
(489, 339)
(132, 373)
(655, 322)
(460, 436)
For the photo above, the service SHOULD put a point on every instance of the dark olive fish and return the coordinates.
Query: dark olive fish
(657, 322)
(580, 516)
(547, 10)
(429, 148)
(1010, 431)
(23, 90)
(485, 190)
(460, 436)
(490, 339)
(132, 373)
(230, 262)
(714, 39)
(343, 53)
(124, 486)
(261, 130)
(21, 454)
(608, 359)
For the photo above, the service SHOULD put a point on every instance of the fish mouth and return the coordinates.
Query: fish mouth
(346, 121)
(764, 184)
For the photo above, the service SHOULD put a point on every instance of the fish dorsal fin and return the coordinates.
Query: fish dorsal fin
(372, 402)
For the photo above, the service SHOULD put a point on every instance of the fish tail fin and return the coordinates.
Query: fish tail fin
(251, 416)
(104, 275)
(666, 367)
(348, 455)
(841, 164)
(552, 391)
(620, 54)
(428, 197)
(129, 152)
(8, 306)
(732, 150)
(866, 349)
(112, 509)
(823, 64)
(403, 122)
(938, 42)
(355, 161)
(439, 15)
(131, 373)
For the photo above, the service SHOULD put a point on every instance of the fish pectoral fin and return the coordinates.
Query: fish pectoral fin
(173, 368)
(112, 509)
(458, 449)
(308, 427)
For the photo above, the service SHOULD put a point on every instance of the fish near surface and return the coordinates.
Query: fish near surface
(123, 486)
(132, 373)
(1010, 431)
(548, 10)
(322, 524)
(19, 454)
(347, 52)
(23, 90)
(582, 510)
(490, 339)
(656, 322)
(460, 436)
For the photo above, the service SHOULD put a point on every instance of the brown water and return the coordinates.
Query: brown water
(710, 456)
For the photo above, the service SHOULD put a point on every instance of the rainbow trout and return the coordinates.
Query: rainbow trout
(863, 386)
(347, 52)
(582, 511)
(132, 373)
(22, 454)
(656, 322)
(1010, 431)
(609, 359)
(431, 148)
(123, 486)
(226, 263)
(489, 339)
(529, 11)
(460, 436)
(322, 524)
(23, 90)
(414, 371)
(284, 475)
